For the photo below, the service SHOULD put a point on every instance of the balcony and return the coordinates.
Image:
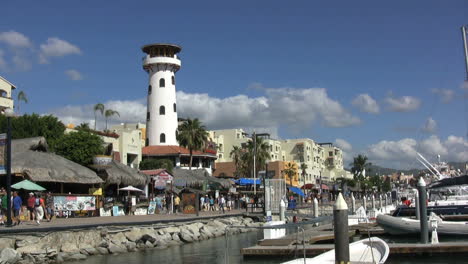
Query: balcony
(6, 102)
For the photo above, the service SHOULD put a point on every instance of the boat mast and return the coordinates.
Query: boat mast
(464, 30)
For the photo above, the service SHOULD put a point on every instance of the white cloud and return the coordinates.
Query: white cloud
(402, 104)
(446, 95)
(74, 75)
(343, 144)
(2, 61)
(55, 47)
(15, 39)
(402, 153)
(430, 126)
(296, 109)
(366, 103)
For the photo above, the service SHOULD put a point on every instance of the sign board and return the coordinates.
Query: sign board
(95, 191)
(75, 203)
(188, 203)
(3, 153)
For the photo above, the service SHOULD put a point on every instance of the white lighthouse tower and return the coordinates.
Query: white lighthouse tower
(161, 63)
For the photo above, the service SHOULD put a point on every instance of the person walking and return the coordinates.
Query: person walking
(222, 203)
(16, 206)
(212, 201)
(39, 209)
(31, 202)
(50, 207)
(176, 203)
(3, 209)
(202, 202)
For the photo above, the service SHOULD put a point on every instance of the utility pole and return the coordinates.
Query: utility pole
(254, 158)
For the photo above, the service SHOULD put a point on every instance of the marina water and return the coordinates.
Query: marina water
(213, 251)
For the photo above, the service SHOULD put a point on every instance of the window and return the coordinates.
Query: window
(330, 153)
(146, 142)
(162, 110)
(162, 138)
(220, 156)
(173, 79)
(149, 89)
(175, 108)
(148, 116)
(162, 83)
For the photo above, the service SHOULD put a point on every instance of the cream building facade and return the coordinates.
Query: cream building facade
(6, 90)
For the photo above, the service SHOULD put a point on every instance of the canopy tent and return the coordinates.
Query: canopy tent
(296, 190)
(31, 160)
(307, 186)
(247, 181)
(130, 189)
(324, 187)
(28, 185)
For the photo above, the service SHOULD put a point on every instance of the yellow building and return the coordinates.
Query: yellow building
(6, 90)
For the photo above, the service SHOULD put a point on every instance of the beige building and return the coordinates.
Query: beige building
(129, 144)
(333, 161)
(6, 90)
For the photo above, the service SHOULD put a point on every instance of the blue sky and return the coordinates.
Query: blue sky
(291, 68)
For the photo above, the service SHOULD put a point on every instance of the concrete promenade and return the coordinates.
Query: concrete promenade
(127, 220)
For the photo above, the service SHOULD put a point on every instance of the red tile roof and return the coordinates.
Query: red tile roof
(153, 172)
(171, 151)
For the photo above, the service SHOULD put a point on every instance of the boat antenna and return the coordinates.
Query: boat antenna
(464, 30)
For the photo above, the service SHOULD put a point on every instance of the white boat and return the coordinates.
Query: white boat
(404, 226)
(370, 250)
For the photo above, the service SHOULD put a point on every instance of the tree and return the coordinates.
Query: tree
(153, 164)
(236, 155)
(34, 125)
(109, 113)
(304, 167)
(21, 97)
(100, 108)
(193, 136)
(79, 147)
(359, 168)
(83, 126)
(290, 171)
(262, 154)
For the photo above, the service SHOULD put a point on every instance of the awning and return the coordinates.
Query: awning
(247, 181)
(308, 186)
(324, 187)
(296, 190)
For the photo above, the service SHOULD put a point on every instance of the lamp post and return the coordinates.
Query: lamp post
(264, 188)
(254, 154)
(9, 114)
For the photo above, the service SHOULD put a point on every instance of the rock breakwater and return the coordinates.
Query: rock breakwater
(62, 246)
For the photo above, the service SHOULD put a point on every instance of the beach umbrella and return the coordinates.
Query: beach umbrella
(28, 185)
(130, 189)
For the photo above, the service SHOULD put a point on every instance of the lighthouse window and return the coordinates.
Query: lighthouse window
(162, 138)
(162, 83)
(149, 89)
(173, 80)
(148, 116)
(175, 108)
(162, 110)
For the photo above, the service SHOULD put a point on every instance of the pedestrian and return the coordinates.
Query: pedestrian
(202, 202)
(3, 209)
(176, 203)
(50, 206)
(39, 206)
(167, 200)
(16, 206)
(212, 201)
(31, 204)
(222, 202)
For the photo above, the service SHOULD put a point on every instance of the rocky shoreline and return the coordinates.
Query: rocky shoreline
(62, 246)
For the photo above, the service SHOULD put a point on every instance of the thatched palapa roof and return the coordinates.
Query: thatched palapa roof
(198, 177)
(31, 159)
(120, 174)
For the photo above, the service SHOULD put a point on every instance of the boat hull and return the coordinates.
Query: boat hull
(405, 226)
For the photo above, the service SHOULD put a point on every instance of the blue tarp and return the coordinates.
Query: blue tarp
(247, 181)
(296, 190)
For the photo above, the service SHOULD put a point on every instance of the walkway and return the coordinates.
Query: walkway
(127, 220)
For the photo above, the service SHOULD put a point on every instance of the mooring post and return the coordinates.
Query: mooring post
(282, 210)
(416, 205)
(340, 228)
(353, 204)
(380, 201)
(373, 202)
(423, 210)
(386, 199)
(364, 202)
(316, 209)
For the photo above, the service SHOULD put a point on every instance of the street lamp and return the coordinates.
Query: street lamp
(9, 114)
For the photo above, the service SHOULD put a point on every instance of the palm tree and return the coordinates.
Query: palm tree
(236, 155)
(83, 126)
(359, 167)
(98, 107)
(109, 113)
(304, 167)
(192, 135)
(262, 154)
(21, 97)
(290, 171)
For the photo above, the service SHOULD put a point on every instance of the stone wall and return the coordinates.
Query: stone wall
(61, 246)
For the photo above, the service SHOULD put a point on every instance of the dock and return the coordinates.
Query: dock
(395, 249)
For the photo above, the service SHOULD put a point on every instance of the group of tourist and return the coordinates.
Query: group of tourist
(39, 206)
(210, 203)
